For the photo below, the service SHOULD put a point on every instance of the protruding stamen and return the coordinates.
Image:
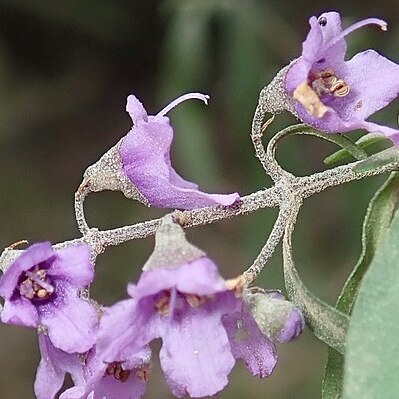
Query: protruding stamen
(184, 97)
(357, 25)
(18, 243)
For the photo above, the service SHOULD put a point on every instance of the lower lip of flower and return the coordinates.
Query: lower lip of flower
(36, 285)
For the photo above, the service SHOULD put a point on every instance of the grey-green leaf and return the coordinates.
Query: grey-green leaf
(327, 323)
(372, 366)
(364, 142)
(378, 218)
(378, 160)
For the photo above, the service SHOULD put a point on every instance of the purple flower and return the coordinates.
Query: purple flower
(204, 328)
(41, 288)
(335, 95)
(113, 380)
(54, 364)
(145, 155)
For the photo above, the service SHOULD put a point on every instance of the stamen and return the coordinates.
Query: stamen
(35, 285)
(184, 97)
(162, 305)
(115, 369)
(39, 279)
(195, 300)
(357, 25)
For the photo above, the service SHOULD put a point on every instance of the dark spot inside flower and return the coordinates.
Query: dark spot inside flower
(359, 104)
(322, 21)
(321, 60)
(116, 370)
(143, 373)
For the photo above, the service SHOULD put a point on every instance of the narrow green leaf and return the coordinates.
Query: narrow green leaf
(327, 323)
(377, 220)
(364, 142)
(338, 139)
(371, 364)
(378, 160)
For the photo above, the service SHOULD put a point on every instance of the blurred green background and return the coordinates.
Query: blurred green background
(66, 68)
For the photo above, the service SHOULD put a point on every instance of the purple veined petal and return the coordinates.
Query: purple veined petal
(53, 366)
(73, 263)
(200, 277)
(32, 256)
(20, 312)
(374, 82)
(195, 355)
(72, 322)
(136, 109)
(249, 344)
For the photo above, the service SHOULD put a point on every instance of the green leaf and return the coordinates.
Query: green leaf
(372, 367)
(339, 139)
(377, 220)
(378, 160)
(327, 323)
(364, 142)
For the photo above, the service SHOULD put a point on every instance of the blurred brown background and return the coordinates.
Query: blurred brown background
(66, 68)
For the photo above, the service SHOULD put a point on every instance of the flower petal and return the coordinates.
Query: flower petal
(53, 366)
(32, 256)
(136, 109)
(200, 277)
(249, 344)
(195, 353)
(20, 312)
(111, 388)
(71, 321)
(125, 328)
(73, 263)
(145, 154)
(374, 82)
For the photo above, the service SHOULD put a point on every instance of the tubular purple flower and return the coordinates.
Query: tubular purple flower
(335, 95)
(139, 164)
(41, 288)
(203, 323)
(145, 155)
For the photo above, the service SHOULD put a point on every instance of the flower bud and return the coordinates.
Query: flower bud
(277, 318)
